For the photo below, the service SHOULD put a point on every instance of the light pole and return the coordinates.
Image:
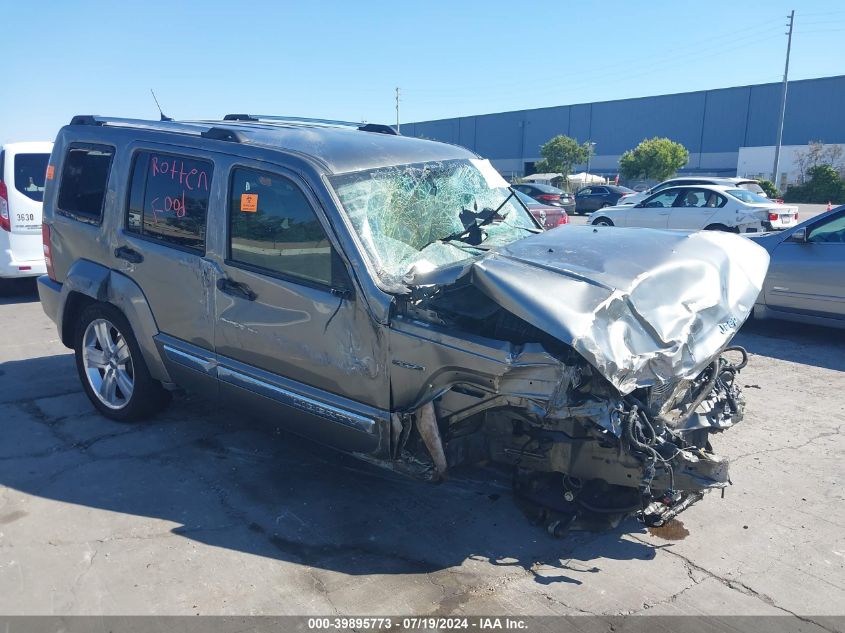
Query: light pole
(775, 167)
(590, 147)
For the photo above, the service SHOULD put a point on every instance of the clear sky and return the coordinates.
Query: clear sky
(343, 60)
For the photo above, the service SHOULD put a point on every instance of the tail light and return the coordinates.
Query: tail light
(773, 217)
(549, 196)
(564, 219)
(5, 221)
(48, 257)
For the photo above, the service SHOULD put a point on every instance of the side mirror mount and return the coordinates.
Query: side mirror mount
(799, 236)
(342, 285)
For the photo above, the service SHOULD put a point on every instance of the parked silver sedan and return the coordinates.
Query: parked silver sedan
(806, 278)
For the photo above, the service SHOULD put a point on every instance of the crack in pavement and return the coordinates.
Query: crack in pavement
(81, 575)
(738, 586)
(671, 598)
(321, 588)
(838, 431)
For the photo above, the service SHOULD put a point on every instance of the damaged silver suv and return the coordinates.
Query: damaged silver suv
(393, 298)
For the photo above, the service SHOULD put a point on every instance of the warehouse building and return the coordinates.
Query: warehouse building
(729, 131)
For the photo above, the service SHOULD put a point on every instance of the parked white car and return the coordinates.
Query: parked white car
(23, 169)
(710, 207)
(738, 183)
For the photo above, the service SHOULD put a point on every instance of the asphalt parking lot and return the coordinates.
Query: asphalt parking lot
(205, 511)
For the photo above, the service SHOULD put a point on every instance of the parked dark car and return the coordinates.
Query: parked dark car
(549, 216)
(547, 195)
(594, 197)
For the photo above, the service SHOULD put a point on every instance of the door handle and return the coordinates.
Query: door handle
(236, 289)
(129, 254)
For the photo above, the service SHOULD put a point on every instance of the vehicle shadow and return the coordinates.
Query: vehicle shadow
(18, 291)
(235, 482)
(798, 343)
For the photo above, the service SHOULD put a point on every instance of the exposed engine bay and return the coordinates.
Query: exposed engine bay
(498, 389)
(647, 452)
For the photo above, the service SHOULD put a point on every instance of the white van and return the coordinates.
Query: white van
(23, 169)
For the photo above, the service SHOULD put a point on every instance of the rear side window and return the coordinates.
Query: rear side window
(30, 170)
(747, 196)
(168, 199)
(753, 186)
(85, 175)
(272, 226)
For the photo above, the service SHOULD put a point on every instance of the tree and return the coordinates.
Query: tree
(817, 153)
(560, 154)
(824, 185)
(769, 187)
(654, 158)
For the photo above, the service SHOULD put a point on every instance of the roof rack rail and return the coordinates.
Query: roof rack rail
(222, 134)
(272, 118)
(190, 128)
(239, 117)
(86, 119)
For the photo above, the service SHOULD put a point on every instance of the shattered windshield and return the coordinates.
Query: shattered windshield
(415, 218)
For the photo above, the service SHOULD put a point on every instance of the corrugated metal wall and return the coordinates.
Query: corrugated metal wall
(711, 124)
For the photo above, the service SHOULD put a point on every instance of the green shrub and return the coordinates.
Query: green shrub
(769, 187)
(824, 185)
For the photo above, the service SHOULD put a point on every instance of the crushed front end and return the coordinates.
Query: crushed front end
(602, 408)
(647, 452)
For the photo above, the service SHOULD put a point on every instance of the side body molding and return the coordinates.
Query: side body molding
(303, 409)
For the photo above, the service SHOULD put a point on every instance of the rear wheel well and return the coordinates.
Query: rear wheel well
(721, 227)
(75, 304)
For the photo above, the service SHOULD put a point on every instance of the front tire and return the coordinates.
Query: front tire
(602, 222)
(111, 367)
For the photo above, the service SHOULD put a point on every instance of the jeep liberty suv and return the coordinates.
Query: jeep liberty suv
(392, 297)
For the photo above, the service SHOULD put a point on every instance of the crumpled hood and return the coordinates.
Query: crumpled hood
(643, 306)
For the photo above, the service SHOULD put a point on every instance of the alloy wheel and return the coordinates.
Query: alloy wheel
(108, 363)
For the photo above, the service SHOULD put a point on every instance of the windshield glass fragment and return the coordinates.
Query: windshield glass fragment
(418, 217)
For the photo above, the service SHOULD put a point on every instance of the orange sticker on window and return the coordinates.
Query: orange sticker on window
(249, 202)
(51, 171)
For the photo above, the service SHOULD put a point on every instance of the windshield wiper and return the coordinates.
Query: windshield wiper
(473, 221)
